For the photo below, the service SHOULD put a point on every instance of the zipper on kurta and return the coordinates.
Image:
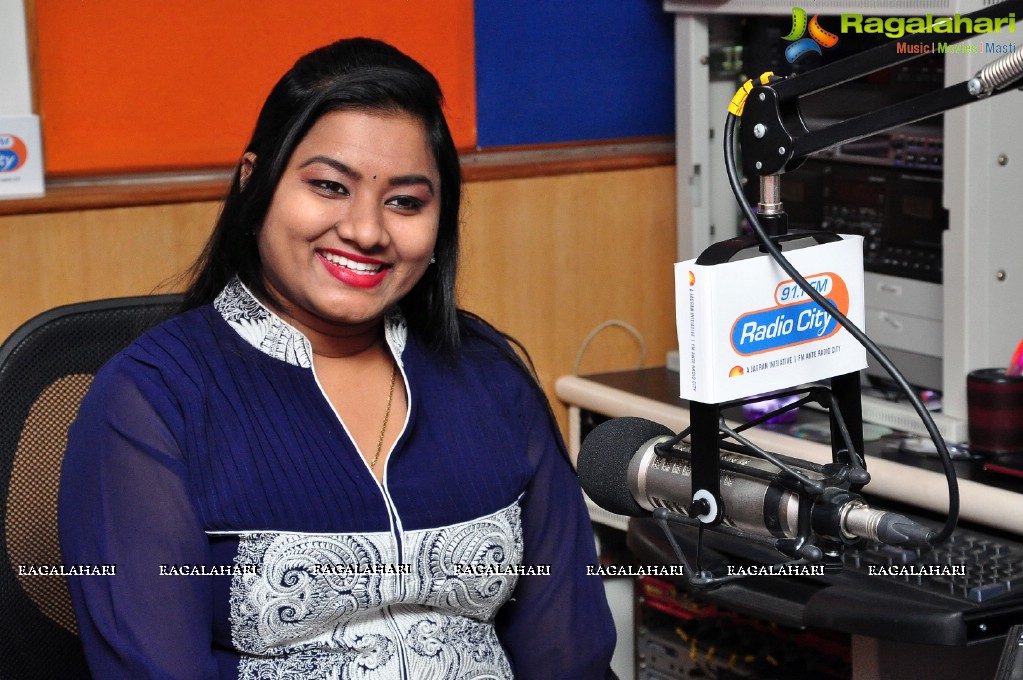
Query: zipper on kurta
(399, 643)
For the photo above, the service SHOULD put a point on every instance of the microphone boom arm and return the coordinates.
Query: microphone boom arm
(774, 139)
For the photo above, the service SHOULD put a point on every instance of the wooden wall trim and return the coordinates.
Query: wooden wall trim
(89, 193)
(566, 159)
(126, 191)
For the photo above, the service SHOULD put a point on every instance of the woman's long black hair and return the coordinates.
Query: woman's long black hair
(361, 74)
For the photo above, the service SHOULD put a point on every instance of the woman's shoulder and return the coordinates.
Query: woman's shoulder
(150, 372)
(500, 355)
(482, 340)
(181, 331)
(476, 329)
(173, 346)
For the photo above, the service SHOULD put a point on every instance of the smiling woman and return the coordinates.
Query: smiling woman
(353, 225)
(322, 468)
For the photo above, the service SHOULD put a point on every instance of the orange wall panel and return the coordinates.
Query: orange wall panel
(137, 86)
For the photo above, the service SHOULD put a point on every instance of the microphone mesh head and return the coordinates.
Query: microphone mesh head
(604, 457)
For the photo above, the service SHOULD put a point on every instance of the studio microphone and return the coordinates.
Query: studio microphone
(621, 471)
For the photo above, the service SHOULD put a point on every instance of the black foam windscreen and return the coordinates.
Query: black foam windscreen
(604, 457)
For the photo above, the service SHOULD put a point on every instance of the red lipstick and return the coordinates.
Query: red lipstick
(354, 270)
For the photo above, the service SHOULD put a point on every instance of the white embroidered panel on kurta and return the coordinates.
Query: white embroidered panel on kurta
(272, 335)
(341, 606)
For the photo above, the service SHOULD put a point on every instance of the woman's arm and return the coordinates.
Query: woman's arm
(557, 626)
(124, 502)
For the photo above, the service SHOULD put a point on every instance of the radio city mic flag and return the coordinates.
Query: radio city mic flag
(745, 328)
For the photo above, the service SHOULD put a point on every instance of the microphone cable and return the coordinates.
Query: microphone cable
(861, 337)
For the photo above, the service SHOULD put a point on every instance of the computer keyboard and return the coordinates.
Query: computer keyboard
(971, 566)
(967, 589)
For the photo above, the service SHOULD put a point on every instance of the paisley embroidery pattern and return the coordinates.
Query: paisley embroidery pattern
(343, 606)
(448, 555)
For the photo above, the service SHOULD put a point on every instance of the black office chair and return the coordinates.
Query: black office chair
(46, 366)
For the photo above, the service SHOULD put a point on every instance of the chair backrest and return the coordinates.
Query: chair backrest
(46, 366)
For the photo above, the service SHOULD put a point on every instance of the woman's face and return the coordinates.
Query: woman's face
(354, 219)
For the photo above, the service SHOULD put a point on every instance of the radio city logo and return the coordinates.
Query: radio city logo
(794, 320)
(801, 46)
(12, 153)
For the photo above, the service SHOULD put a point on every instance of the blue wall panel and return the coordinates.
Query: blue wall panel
(568, 70)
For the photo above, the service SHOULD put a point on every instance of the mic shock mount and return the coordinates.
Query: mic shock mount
(709, 433)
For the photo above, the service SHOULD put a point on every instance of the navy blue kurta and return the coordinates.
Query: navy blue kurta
(251, 539)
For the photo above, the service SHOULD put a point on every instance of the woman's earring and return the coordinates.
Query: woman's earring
(433, 259)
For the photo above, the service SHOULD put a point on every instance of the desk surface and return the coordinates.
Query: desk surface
(986, 498)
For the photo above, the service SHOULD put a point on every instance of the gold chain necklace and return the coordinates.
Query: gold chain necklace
(387, 416)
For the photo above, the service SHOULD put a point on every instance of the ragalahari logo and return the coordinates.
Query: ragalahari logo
(801, 46)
